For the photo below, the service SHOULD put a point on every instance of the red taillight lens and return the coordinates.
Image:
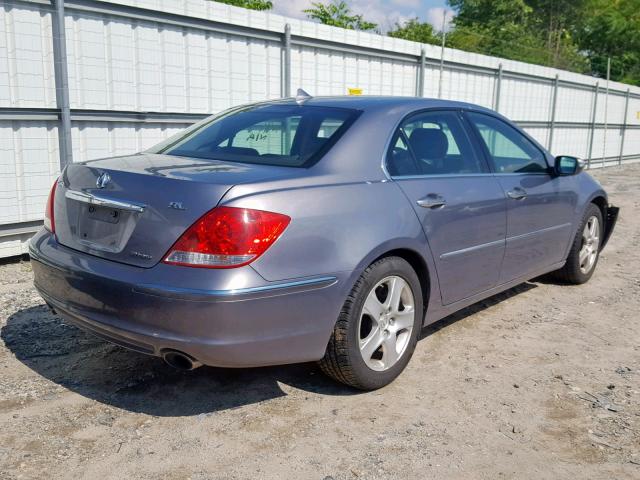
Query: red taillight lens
(227, 237)
(49, 220)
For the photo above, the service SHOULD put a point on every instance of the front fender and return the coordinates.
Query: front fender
(589, 191)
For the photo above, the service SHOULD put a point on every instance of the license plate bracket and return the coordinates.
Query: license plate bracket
(104, 214)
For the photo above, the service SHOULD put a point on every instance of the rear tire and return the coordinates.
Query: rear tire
(378, 326)
(585, 249)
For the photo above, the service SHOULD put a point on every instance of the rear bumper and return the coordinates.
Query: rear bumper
(230, 318)
(610, 220)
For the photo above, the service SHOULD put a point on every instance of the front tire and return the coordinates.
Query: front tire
(585, 249)
(378, 326)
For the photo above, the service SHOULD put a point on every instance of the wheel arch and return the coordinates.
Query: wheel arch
(601, 202)
(419, 265)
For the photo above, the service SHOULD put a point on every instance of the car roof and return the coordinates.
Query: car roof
(376, 102)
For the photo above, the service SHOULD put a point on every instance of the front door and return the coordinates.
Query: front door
(540, 205)
(460, 204)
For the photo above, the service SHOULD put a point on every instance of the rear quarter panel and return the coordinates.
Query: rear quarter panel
(336, 228)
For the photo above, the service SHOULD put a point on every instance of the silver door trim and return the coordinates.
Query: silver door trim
(537, 232)
(474, 248)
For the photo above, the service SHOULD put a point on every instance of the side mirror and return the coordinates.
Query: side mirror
(566, 165)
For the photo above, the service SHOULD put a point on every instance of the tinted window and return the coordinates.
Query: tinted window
(432, 143)
(399, 159)
(282, 135)
(510, 151)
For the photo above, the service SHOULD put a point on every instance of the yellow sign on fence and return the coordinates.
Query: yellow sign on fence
(355, 91)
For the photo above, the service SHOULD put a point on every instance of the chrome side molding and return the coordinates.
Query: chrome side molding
(281, 288)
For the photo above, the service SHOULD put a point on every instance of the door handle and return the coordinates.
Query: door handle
(517, 193)
(432, 200)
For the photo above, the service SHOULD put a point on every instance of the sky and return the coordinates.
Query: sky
(383, 12)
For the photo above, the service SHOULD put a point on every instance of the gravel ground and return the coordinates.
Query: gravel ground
(542, 381)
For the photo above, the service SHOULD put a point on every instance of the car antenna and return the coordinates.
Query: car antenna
(302, 96)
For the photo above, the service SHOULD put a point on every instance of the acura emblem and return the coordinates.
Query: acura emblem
(103, 180)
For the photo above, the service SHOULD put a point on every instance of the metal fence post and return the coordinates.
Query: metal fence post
(444, 37)
(624, 125)
(593, 122)
(606, 114)
(286, 65)
(496, 92)
(421, 67)
(553, 111)
(62, 84)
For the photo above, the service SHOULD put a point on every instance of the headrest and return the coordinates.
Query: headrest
(429, 143)
(307, 146)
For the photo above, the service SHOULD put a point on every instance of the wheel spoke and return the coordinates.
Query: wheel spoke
(584, 253)
(390, 353)
(372, 306)
(396, 285)
(593, 229)
(585, 232)
(370, 344)
(404, 319)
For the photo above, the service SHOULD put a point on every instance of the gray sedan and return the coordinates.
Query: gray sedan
(313, 229)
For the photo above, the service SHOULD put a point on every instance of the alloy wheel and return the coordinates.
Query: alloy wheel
(590, 244)
(386, 323)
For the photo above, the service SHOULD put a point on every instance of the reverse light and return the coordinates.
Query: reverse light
(49, 220)
(227, 237)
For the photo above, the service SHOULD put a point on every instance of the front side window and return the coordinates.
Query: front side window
(432, 143)
(279, 135)
(510, 151)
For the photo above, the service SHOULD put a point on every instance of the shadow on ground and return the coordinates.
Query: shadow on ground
(112, 375)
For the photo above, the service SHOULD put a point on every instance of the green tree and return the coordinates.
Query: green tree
(338, 14)
(489, 12)
(556, 20)
(534, 31)
(611, 28)
(250, 4)
(415, 31)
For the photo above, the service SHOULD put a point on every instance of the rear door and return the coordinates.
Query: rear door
(460, 204)
(540, 205)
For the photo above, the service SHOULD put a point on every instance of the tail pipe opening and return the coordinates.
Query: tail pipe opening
(180, 361)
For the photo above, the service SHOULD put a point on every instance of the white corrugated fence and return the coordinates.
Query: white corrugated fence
(138, 71)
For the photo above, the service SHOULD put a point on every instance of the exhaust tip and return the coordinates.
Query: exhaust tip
(180, 361)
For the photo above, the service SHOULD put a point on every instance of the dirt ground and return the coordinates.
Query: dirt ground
(541, 382)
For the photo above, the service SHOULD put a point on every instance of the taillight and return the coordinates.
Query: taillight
(49, 220)
(227, 237)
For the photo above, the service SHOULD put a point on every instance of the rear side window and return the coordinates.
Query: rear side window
(432, 143)
(510, 151)
(279, 135)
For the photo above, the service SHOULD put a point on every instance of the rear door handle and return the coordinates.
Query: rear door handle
(433, 200)
(517, 193)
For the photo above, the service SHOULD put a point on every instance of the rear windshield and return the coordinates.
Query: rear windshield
(280, 135)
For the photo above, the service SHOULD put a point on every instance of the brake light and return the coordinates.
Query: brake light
(227, 237)
(49, 220)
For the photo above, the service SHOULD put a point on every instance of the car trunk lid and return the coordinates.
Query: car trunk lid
(132, 209)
